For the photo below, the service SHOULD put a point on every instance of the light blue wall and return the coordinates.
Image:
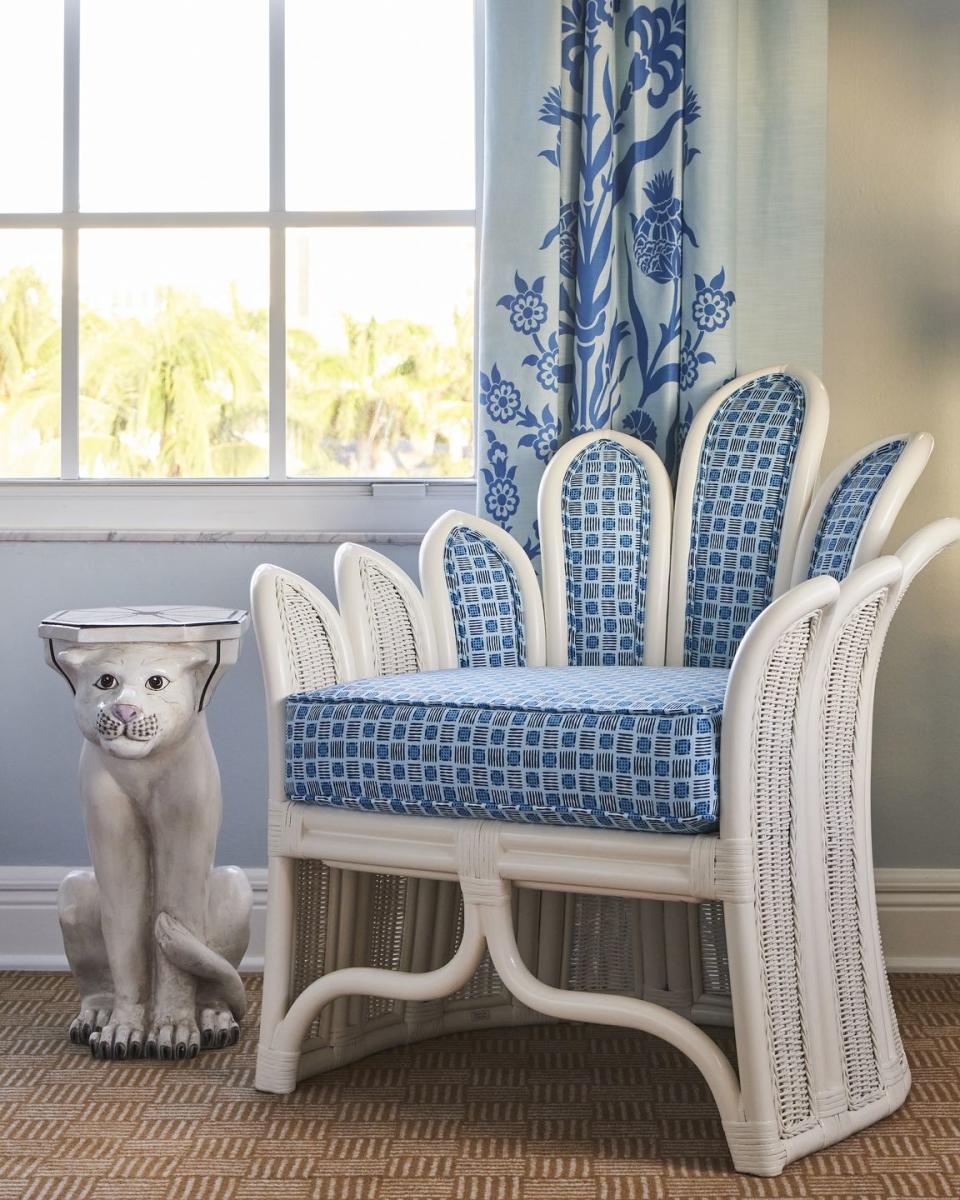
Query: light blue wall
(39, 742)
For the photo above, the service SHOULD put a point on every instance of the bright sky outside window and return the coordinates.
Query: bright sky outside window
(380, 105)
(168, 257)
(31, 100)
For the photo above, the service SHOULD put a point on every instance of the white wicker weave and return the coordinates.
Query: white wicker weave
(384, 613)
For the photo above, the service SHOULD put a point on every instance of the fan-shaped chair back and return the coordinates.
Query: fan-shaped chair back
(482, 595)
(854, 510)
(605, 511)
(746, 474)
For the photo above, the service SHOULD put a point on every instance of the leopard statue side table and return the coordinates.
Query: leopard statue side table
(154, 932)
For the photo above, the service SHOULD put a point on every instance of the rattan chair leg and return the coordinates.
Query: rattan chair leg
(278, 1061)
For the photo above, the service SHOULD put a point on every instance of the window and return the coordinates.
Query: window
(243, 254)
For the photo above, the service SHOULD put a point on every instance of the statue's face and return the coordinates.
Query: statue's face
(134, 699)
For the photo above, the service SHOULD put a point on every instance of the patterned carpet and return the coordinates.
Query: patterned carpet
(550, 1113)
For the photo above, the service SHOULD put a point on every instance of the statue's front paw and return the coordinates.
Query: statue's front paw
(217, 1026)
(174, 1035)
(122, 1036)
(94, 1014)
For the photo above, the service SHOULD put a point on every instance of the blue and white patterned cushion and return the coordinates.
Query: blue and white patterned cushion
(745, 471)
(633, 748)
(605, 513)
(847, 510)
(486, 601)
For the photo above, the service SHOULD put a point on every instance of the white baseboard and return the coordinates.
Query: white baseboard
(30, 932)
(919, 919)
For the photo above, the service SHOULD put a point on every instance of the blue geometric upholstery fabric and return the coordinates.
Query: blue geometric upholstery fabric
(745, 471)
(633, 748)
(847, 510)
(486, 601)
(605, 515)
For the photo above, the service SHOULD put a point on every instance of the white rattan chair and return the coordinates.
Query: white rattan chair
(384, 926)
(490, 861)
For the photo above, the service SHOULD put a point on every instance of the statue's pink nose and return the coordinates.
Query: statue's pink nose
(126, 712)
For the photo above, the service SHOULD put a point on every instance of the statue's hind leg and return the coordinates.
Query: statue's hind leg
(78, 905)
(228, 931)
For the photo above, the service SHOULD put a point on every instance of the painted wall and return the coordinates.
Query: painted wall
(892, 363)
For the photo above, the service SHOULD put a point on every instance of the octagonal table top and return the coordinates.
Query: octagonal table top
(146, 623)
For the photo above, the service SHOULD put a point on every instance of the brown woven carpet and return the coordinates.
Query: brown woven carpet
(556, 1112)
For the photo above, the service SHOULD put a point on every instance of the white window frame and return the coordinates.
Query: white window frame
(257, 506)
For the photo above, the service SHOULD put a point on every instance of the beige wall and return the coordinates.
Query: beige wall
(892, 363)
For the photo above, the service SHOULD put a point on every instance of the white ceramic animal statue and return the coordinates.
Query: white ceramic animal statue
(153, 933)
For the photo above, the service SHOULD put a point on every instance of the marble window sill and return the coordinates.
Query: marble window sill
(229, 536)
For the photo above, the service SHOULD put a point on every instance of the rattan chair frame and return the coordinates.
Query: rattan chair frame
(707, 937)
(308, 1027)
(386, 929)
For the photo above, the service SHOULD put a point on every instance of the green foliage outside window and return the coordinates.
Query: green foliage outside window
(183, 394)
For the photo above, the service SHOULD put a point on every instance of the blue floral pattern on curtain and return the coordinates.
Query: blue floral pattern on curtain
(614, 311)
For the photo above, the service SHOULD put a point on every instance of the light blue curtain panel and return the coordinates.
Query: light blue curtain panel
(608, 283)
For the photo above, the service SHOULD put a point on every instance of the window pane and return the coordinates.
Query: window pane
(380, 104)
(31, 100)
(173, 352)
(29, 353)
(380, 352)
(173, 105)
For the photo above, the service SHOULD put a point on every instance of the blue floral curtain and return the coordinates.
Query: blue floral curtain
(608, 289)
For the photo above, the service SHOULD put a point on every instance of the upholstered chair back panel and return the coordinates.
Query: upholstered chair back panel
(485, 599)
(605, 514)
(847, 510)
(744, 475)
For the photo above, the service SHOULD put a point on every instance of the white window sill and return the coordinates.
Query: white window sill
(382, 511)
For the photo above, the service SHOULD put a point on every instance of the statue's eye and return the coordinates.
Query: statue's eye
(106, 682)
(156, 683)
